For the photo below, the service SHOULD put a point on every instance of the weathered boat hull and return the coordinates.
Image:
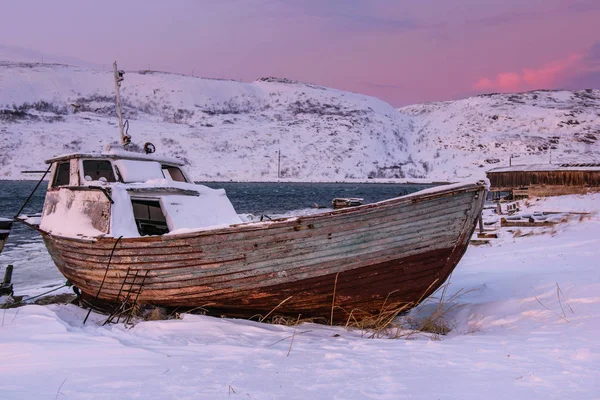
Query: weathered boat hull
(394, 252)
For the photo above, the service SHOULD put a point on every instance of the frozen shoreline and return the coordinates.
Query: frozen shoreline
(526, 329)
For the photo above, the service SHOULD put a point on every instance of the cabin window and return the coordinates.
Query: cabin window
(174, 173)
(62, 174)
(149, 218)
(97, 169)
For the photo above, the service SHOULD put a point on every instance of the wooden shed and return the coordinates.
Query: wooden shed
(545, 179)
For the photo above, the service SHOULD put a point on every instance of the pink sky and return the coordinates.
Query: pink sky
(400, 51)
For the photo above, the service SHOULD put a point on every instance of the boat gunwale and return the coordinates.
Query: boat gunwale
(411, 198)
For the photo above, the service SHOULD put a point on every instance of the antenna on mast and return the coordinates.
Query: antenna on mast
(125, 138)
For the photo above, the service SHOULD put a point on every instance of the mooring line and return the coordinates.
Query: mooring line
(34, 189)
(103, 279)
(9, 305)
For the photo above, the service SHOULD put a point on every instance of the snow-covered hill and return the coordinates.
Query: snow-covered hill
(485, 131)
(229, 130)
(226, 130)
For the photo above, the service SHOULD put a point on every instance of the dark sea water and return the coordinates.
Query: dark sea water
(35, 271)
(246, 197)
(12, 196)
(278, 198)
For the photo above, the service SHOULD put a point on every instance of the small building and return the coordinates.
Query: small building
(545, 179)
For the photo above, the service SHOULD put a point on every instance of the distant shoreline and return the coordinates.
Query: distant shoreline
(349, 182)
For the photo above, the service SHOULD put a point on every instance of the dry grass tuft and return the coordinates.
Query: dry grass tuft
(436, 312)
(262, 319)
(156, 314)
(585, 217)
(431, 318)
(293, 321)
(517, 233)
(561, 299)
(384, 324)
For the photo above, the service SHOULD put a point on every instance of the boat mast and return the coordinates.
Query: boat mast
(125, 138)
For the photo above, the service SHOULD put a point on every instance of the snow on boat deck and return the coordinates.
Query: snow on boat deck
(516, 336)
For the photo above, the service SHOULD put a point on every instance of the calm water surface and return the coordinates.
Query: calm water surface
(34, 268)
(247, 198)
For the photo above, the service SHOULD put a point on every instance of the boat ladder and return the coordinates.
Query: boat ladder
(128, 295)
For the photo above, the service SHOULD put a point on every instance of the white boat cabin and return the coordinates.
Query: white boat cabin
(129, 194)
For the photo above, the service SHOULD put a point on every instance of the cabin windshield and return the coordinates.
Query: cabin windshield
(174, 173)
(62, 174)
(149, 217)
(98, 169)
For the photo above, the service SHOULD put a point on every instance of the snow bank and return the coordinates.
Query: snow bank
(573, 203)
(526, 328)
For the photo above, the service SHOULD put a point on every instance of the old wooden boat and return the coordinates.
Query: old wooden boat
(118, 223)
(123, 225)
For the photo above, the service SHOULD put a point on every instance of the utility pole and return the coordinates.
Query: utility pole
(279, 163)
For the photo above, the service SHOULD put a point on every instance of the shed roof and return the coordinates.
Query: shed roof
(548, 167)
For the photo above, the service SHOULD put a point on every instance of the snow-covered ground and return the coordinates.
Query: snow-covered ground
(527, 328)
(229, 130)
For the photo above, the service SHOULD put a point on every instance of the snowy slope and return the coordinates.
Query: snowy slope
(225, 130)
(229, 130)
(476, 134)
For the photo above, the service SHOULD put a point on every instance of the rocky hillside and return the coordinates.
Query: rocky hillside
(229, 130)
(486, 131)
(225, 130)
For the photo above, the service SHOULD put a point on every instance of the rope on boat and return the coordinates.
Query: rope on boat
(66, 284)
(103, 279)
(34, 189)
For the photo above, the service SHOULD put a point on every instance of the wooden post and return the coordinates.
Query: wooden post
(481, 222)
(6, 288)
(8, 274)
